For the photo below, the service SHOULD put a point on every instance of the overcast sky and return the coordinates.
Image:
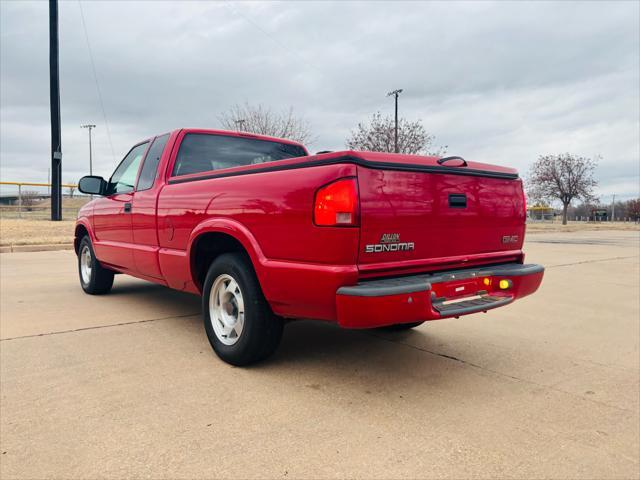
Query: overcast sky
(498, 82)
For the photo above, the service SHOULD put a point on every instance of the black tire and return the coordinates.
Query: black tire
(100, 279)
(261, 331)
(399, 327)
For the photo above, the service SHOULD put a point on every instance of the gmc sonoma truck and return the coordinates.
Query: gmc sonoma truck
(265, 232)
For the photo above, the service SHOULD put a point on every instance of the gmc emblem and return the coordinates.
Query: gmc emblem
(510, 239)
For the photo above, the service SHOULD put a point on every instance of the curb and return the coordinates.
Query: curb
(35, 248)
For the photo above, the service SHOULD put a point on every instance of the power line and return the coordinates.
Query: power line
(227, 4)
(283, 46)
(95, 77)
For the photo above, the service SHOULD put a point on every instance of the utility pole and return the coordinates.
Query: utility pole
(613, 208)
(89, 127)
(54, 99)
(240, 122)
(395, 93)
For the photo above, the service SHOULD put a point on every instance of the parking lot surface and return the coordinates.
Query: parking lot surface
(126, 384)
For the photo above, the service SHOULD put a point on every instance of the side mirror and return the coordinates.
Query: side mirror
(92, 185)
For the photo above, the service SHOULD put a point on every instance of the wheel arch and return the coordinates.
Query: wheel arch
(215, 237)
(82, 229)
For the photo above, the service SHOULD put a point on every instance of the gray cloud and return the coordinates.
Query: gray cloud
(499, 82)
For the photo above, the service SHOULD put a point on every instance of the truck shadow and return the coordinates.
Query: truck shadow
(306, 339)
(363, 365)
(339, 353)
(320, 352)
(165, 299)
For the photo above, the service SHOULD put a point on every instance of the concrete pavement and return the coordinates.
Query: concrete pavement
(126, 384)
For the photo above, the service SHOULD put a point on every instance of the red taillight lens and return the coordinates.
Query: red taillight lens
(337, 204)
(524, 201)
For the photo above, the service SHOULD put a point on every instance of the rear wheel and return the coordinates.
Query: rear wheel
(238, 320)
(94, 278)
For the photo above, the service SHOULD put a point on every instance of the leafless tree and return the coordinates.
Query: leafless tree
(378, 135)
(71, 189)
(633, 209)
(563, 177)
(29, 199)
(582, 210)
(265, 121)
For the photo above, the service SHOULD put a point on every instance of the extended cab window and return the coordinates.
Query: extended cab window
(201, 152)
(124, 178)
(150, 166)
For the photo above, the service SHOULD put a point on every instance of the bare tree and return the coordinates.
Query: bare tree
(71, 188)
(265, 121)
(29, 199)
(633, 209)
(582, 210)
(563, 177)
(378, 135)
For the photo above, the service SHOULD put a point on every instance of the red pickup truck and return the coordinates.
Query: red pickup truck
(265, 232)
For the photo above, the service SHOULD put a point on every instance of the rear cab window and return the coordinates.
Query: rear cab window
(149, 170)
(204, 152)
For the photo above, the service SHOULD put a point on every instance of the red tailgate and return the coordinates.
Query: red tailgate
(433, 216)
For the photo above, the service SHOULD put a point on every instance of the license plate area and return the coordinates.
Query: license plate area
(460, 289)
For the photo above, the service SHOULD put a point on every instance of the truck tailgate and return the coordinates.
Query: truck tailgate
(432, 217)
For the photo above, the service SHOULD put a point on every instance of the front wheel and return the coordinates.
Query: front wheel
(238, 320)
(94, 278)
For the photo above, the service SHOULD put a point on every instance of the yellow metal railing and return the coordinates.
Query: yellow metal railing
(30, 184)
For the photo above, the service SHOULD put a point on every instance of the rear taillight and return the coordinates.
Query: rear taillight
(524, 201)
(336, 204)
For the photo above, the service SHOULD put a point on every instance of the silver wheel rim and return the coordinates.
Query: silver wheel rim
(85, 264)
(226, 309)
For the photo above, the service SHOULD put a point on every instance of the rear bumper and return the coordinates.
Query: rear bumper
(413, 298)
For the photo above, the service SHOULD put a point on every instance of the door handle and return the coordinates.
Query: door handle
(127, 207)
(457, 200)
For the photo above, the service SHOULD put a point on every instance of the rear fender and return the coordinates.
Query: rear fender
(234, 229)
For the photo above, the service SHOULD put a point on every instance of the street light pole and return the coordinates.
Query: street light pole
(90, 150)
(395, 93)
(613, 208)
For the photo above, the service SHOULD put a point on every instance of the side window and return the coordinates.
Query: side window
(124, 177)
(151, 162)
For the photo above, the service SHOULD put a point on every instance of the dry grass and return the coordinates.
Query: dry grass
(42, 210)
(35, 232)
(580, 226)
(71, 203)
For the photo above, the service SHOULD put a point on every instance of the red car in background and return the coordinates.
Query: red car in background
(264, 232)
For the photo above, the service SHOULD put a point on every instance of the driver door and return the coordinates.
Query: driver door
(112, 213)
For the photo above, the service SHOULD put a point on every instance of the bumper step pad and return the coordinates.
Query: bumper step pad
(485, 302)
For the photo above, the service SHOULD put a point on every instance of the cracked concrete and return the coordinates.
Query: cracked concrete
(126, 385)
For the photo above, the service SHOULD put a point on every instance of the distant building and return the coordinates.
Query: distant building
(598, 214)
(540, 213)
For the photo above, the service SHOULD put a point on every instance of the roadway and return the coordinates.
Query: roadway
(126, 385)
